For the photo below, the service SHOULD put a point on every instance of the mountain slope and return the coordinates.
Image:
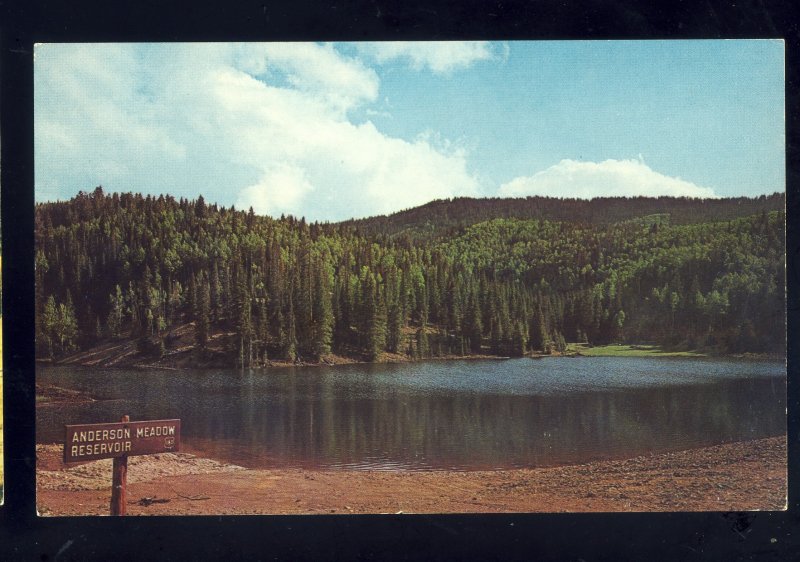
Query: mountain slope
(180, 276)
(442, 216)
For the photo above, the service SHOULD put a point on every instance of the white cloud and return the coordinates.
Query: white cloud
(94, 123)
(280, 188)
(319, 70)
(610, 178)
(354, 170)
(439, 56)
(258, 124)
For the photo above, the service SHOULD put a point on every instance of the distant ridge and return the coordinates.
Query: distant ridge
(443, 215)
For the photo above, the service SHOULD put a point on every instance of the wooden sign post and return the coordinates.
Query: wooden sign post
(119, 482)
(118, 441)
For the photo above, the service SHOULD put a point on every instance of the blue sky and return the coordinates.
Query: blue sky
(333, 131)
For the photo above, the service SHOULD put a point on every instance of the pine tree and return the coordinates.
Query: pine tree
(423, 349)
(48, 327)
(202, 323)
(394, 312)
(116, 315)
(66, 326)
(473, 328)
(539, 336)
(263, 328)
(304, 300)
(215, 293)
(619, 323)
(519, 342)
(322, 310)
(243, 337)
(291, 333)
(455, 278)
(394, 331)
(375, 318)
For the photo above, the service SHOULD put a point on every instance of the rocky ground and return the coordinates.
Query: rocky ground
(742, 476)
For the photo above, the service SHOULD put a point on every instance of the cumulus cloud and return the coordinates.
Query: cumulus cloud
(439, 56)
(262, 125)
(610, 178)
(280, 188)
(92, 114)
(318, 70)
(352, 170)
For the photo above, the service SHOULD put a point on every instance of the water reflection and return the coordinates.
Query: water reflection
(471, 415)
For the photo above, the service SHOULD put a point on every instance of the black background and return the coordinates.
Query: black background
(660, 536)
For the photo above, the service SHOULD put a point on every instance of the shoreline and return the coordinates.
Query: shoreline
(739, 476)
(279, 364)
(331, 360)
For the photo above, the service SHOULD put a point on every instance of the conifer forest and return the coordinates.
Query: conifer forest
(501, 277)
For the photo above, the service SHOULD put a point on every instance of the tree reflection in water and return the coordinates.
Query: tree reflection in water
(440, 415)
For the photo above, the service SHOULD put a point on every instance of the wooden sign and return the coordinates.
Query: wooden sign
(90, 442)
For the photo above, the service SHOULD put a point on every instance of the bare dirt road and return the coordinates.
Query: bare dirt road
(733, 477)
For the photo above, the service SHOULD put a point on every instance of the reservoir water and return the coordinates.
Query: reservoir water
(456, 415)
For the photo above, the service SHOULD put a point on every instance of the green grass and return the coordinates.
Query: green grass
(616, 350)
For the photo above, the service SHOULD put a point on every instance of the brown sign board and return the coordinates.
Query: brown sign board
(88, 442)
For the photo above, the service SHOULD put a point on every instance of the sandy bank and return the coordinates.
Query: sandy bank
(52, 474)
(733, 477)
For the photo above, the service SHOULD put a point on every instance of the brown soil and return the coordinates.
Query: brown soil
(52, 474)
(742, 476)
(52, 394)
(182, 353)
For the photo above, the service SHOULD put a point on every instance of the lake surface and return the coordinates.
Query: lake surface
(458, 415)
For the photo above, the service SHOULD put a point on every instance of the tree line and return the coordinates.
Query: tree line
(443, 217)
(253, 289)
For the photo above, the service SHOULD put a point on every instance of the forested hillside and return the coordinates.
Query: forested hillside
(441, 217)
(680, 273)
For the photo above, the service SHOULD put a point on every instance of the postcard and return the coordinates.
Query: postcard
(410, 277)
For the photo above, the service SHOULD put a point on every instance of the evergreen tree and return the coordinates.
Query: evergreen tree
(322, 310)
(48, 328)
(473, 328)
(116, 315)
(394, 333)
(375, 318)
(66, 329)
(539, 336)
(519, 345)
(202, 313)
(243, 338)
(683, 273)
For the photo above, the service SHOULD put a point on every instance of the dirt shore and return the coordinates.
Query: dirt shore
(182, 353)
(733, 477)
